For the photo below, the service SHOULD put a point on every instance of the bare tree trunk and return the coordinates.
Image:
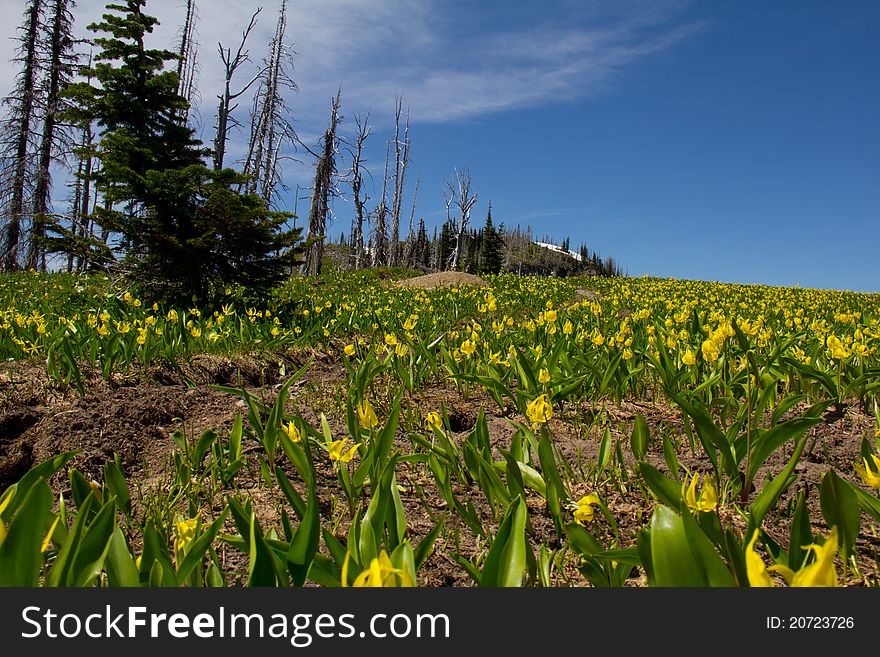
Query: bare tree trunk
(188, 54)
(270, 128)
(357, 179)
(325, 169)
(21, 122)
(379, 248)
(401, 158)
(225, 107)
(59, 73)
(410, 237)
(460, 194)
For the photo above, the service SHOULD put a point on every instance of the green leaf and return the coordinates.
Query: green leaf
(670, 456)
(195, 552)
(681, 554)
(120, 565)
(20, 555)
(664, 489)
(582, 541)
(840, 507)
(92, 549)
(426, 546)
(261, 570)
(604, 454)
(867, 503)
(39, 473)
(801, 535)
(556, 493)
(768, 442)
(773, 489)
(640, 437)
(58, 575)
(710, 435)
(202, 447)
(118, 486)
(305, 541)
(506, 562)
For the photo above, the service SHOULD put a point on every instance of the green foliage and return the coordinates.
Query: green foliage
(182, 231)
(491, 245)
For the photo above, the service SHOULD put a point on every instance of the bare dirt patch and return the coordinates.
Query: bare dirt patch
(442, 279)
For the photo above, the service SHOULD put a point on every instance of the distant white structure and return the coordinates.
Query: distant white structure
(556, 249)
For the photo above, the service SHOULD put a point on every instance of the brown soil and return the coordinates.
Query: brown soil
(442, 279)
(133, 418)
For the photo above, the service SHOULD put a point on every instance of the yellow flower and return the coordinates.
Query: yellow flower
(707, 501)
(755, 568)
(186, 532)
(568, 327)
(689, 358)
(837, 348)
(468, 347)
(367, 415)
(710, 350)
(381, 572)
(583, 509)
(871, 476)
(196, 332)
(350, 350)
(539, 410)
(337, 451)
(819, 573)
(401, 350)
(433, 421)
(390, 340)
(292, 432)
(543, 376)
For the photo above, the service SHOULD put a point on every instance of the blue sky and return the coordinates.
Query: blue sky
(733, 141)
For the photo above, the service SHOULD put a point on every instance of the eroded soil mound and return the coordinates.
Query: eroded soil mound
(442, 279)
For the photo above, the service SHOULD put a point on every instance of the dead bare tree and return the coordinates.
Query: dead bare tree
(225, 108)
(401, 159)
(18, 135)
(55, 142)
(363, 130)
(325, 171)
(380, 240)
(458, 193)
(270, 127)
(409, 246)
(187, 63)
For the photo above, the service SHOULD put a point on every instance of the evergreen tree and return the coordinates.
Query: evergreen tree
(181, 228)
(490, 247)
(446, 246)
(422, 248)
(471, 259)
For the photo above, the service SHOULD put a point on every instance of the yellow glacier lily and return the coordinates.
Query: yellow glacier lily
(367, 415)
(819, 573)
(337, 450)
(871, 476)
(583, 509)
(707, 500)
(539, 410)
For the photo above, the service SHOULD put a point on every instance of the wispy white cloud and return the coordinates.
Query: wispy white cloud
(424, 49)
(446, 57)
